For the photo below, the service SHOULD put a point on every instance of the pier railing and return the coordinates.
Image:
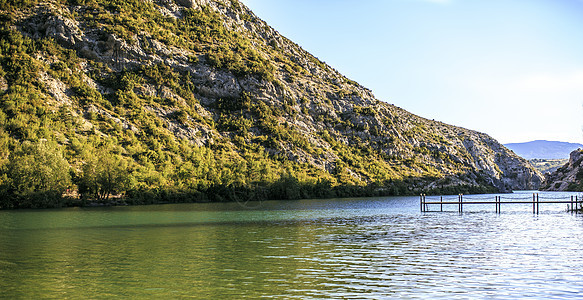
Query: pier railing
(573, 203)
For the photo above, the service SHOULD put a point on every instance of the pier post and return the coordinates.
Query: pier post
(533, 203)
(460, 201)
(421, 202)
(441, 204)
(537, 203)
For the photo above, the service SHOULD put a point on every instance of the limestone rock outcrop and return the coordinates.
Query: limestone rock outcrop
(567, 178)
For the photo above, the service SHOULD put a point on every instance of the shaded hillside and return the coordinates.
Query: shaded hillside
(202, 101)
(568, 177)
(543, 149)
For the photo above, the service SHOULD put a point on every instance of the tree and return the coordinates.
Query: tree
(104, 174)
(38, 174)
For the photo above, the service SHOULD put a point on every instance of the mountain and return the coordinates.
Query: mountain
(541, 149)
(567, 178)
(145, 101)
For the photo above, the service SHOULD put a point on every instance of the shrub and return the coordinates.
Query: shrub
(38, 174)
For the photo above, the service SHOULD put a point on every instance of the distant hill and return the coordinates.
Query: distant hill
(543, 149)
(548, 165)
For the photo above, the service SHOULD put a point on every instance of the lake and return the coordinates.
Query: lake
(335, 248)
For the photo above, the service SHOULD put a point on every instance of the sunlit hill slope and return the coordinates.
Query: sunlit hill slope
(174, 101)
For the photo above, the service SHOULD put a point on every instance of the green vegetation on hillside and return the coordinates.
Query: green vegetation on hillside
(548, 165)
(47, 149)
(77, 131)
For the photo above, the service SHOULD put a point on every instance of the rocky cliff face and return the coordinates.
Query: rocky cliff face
(210, 72)
(567, 178)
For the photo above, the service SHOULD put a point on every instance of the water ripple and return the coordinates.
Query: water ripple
(356, 248)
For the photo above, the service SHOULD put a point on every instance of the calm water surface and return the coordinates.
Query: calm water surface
(349, 248)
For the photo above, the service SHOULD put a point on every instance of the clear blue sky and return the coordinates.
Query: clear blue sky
(510, 68)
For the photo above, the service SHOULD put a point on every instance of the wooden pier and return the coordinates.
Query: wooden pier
(573, 204)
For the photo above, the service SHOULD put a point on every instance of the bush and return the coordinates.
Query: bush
(38, 175)
(104, 174)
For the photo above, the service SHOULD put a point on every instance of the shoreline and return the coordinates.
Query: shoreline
(222, 194)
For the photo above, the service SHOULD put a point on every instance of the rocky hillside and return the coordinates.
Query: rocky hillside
(158, 98)
(567, 178)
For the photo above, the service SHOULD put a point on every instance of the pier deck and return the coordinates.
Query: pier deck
(573, 202)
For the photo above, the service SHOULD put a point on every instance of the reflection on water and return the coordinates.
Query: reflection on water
(351, 248)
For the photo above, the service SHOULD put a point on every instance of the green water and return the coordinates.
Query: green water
(352, 248)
